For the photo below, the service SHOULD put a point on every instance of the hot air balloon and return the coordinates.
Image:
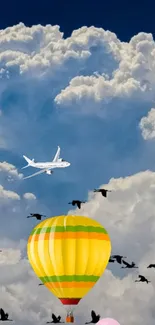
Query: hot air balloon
(69, 254)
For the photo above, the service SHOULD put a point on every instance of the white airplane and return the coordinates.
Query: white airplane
(46, 167)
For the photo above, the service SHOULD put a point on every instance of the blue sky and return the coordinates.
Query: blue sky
(123, 19)
(90, 91)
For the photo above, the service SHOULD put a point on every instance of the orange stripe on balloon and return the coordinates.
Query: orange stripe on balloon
(68, 235)
(69, 284)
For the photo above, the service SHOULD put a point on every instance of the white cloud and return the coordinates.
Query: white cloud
(8, 195)
(10, 170)
(42, 51)
(10, 256)
(13, 206)
(133, 77)
(147, 125)
(125, 72)
(87, 90)
(128, 215)
(91, 71)
(20, 295)
(34, 50)
(29, 196)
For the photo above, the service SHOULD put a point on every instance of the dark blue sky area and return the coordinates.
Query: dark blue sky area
(124, 18)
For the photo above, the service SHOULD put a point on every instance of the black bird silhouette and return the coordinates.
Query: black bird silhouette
(129, 266)
(36, 215)
(111, 260)
(41, 284)
(118, 258)
(4, 316)
(142, 279)
(77, 202)
(102, 191)
(150, 266)
(95, 318)
(55, 319)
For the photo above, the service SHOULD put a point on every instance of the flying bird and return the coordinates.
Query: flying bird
(95, 318)
(111, 260)
(129, 266)
(118, 258)
(4, 316)
(102, 191)
(41, 284)
(142, 279)
(77, 202)
(55, 319)
(36, 215)
(150, 266)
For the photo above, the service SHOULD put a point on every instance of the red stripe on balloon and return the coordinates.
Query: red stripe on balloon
(70, 301)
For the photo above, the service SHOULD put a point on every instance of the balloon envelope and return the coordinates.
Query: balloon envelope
(107, 321)
(69, 254)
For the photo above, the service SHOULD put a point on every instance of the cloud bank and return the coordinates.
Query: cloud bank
(128, 215)
(91, 94)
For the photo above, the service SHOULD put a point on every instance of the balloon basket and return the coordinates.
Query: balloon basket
(69, 319)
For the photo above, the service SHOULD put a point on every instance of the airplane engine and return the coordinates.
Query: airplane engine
(49, 172)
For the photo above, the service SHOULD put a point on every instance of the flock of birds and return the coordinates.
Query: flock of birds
(55, 319)
(94, 318)
(74, 203)
(114, 258)
(119, 259)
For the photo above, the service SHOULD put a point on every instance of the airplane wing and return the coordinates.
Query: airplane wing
(57, 155)
(37, 173)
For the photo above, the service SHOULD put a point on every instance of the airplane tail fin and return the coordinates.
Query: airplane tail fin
(57, 155)
(29, 161)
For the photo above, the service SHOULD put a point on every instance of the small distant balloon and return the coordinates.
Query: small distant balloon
(107, 321)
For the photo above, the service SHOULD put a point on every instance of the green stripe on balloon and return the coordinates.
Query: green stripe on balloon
(70, 278)
(79, 228)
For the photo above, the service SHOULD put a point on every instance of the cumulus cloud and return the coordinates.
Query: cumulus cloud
(133, 77)
(17, 284)
(14, 206)
(8, 195)
(128, 216)
(128, 208)
(10, 170)
(147, 125)
(29, 196)
(91, 71)
(10, 256)
(127, 68)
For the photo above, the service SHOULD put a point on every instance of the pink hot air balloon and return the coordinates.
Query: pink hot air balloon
(107, 321)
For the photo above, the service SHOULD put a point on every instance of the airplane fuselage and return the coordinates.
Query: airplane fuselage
(46, 167)
(51, 165)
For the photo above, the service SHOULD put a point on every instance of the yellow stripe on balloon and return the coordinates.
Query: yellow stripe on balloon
(70, 220)
(65, 262)
(73, 292)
